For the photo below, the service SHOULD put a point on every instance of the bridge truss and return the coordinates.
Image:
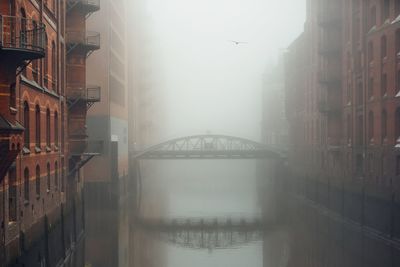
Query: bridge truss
(209, 147)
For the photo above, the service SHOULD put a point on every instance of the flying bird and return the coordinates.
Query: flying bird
(237, 42)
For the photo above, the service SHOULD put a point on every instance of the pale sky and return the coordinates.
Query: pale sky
(207, 82)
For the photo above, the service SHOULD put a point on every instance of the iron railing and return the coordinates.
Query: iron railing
(86, 38)
(91, 93)
(22, 33)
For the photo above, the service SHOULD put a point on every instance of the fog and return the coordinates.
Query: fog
(201, 81)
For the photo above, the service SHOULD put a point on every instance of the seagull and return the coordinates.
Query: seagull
(237, 42)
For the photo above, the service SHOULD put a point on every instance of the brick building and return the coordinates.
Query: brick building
(41, 207)
(343, 110)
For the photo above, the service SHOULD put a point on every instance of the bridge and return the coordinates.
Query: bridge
(198, 233)
(209, 147)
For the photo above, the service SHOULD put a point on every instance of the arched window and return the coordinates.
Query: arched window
(360, 130)
(53, 65)
(383, 47)
(48, 178)
(397, 7)
(12, 194)
(385, 10)
(349, 129)
(37, 125)
(35, 44)
(56, 176)
(13, 97)
(384, 84)
(46, 61)
(384, 125)
(397, 125)
(371, 87)
(37, 181)
(26, 184)
(48, 136)
(23, 38)
(23, 35)
(26, 125)
(360, 94)
(373, 16)
(371, 125)
(371, 51)
(56, 128)
(12, 7)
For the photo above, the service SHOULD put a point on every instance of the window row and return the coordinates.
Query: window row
(384, 47)
(38, 127)
(373, 127)
(50, 54)
(385, 8)
(40, 178)
(49, 77)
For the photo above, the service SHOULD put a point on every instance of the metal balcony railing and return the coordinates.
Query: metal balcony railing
(18, 34)
(88, 41)
(87, 6)
(91, 94)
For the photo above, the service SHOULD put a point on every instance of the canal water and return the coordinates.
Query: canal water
(209, 190)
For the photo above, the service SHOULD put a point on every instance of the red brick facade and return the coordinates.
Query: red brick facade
(346, 100)
(343, 108)
(40, 194)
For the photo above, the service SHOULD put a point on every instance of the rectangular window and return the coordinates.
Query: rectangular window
(384, 84)
(371, 88)
(385, 10)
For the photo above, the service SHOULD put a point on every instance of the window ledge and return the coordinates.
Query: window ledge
(26, 203)
(37, 150)
(56, 148)
(13, 110)
(48, 149)
(26, 151)
(48, 191)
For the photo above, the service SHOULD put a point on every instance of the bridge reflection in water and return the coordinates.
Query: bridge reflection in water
(205, 174)
(204, 233)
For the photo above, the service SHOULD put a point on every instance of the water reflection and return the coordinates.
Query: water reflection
(206, 213)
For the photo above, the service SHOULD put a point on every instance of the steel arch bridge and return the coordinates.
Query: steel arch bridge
(209, 147)
(206, 233)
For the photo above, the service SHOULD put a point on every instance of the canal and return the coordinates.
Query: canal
(178, 193)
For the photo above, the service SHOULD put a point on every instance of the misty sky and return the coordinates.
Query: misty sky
(208, 83)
